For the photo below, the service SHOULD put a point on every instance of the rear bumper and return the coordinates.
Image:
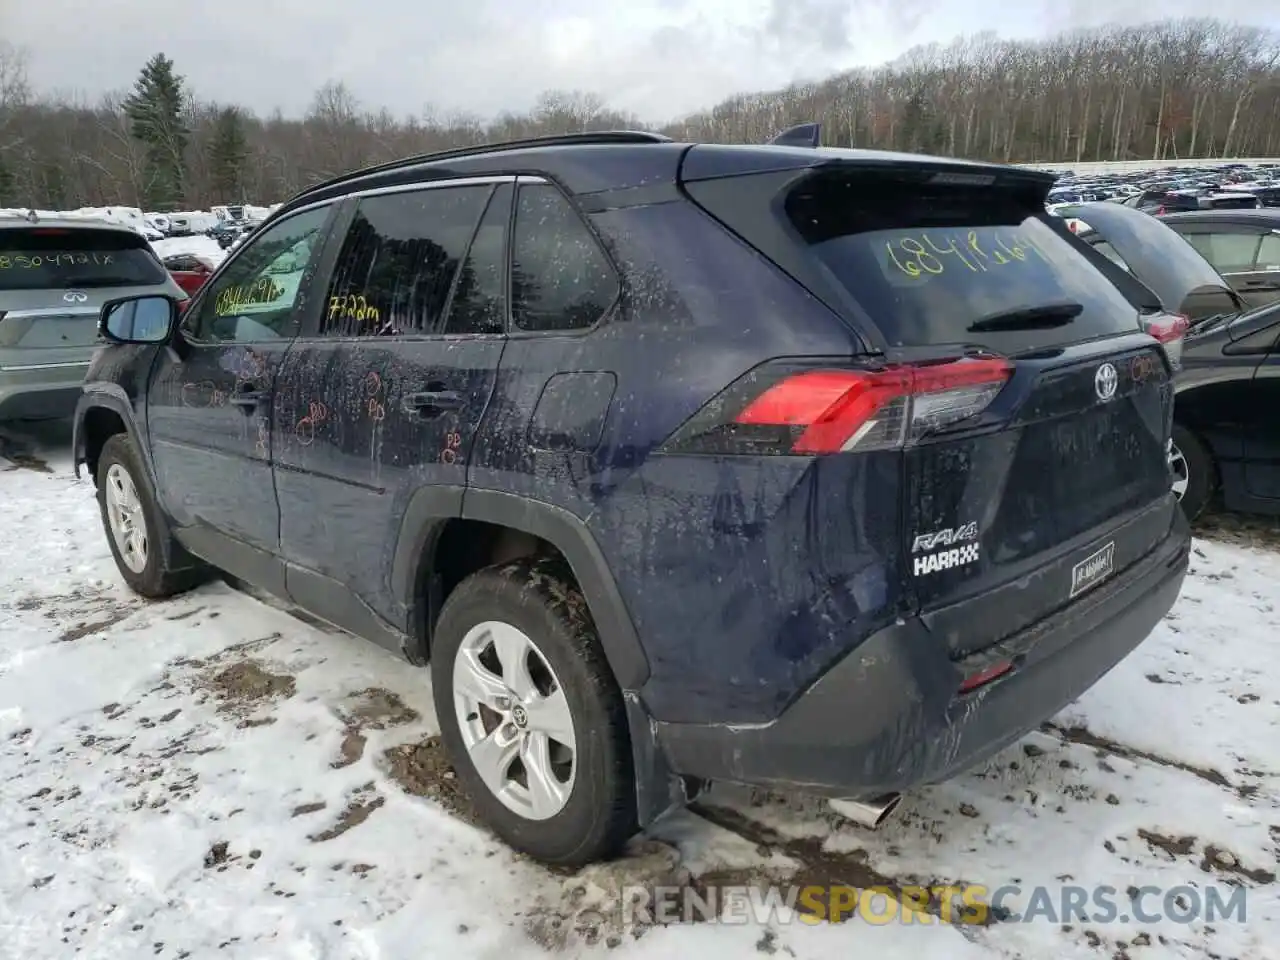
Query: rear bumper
(888, 717)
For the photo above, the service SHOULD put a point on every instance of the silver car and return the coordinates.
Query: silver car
(54, 277)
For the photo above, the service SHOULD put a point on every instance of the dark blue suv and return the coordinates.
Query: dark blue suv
(830, 469)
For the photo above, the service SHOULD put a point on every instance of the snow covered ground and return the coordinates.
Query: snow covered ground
(199, 245)
(214, 777)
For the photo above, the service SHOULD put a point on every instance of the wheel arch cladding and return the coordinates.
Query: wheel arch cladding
(100, 416)
(423, 519)
(430, 506)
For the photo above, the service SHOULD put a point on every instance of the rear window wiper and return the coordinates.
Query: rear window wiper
(1044, 317)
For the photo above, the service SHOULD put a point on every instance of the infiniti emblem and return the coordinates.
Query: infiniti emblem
(75, 296)
(1105, 381)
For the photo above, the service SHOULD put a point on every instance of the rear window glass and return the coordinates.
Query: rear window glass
(1233, 203)
(54, 259)
(926, 262)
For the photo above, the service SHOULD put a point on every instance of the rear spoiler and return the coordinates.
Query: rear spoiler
(803, 135)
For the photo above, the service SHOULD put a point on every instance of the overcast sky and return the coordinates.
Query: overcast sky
(658, 58)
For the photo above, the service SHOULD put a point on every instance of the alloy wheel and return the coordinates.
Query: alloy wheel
(515, 720)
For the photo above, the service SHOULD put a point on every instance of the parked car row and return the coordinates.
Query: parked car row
(229, 232)
(1233, 186)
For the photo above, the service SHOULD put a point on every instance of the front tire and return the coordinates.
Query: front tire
(1194, 474)
(531, 714)
(136, 529)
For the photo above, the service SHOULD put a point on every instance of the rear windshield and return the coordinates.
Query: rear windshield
(1233, 203)
(927, 262)
(52, 258)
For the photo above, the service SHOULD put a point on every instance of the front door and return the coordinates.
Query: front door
(381, 398)
(1261, 284)
(1262, 433)
(209, 403)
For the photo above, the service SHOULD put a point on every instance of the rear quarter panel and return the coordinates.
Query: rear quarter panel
(746, 578)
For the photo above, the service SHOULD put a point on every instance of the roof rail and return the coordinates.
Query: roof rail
(554, 140)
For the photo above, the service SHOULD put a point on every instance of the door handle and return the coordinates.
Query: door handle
(433, 402)
(247, 399)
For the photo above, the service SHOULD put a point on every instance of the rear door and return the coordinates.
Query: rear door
(1261, 284)
(1045, 473)
(385, 394)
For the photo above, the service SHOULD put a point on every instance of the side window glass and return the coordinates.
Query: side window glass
(1233, 252)
(1203, 242)
(1269, 253)
(560, 278)
(399, 260)
(478, 303)
(254, 299)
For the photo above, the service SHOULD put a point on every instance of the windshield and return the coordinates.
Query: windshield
(926, 262)
(53, 258)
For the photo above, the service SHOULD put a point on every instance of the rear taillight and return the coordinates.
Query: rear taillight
(1169, 329)
(788, 409)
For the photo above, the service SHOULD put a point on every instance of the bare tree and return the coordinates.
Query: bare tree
(1185, 88)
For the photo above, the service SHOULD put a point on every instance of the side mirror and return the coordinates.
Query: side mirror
(145, 319)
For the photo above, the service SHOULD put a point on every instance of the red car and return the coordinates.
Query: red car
(189, 271)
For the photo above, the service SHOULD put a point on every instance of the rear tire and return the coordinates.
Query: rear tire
(150, 560)
(1195, 476)
(514, 653)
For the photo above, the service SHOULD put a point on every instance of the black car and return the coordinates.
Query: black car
(1225, 432)
(1242, 245)
(228, 231)
(679, 462)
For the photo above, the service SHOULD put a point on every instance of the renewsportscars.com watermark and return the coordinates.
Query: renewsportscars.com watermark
(970, 904)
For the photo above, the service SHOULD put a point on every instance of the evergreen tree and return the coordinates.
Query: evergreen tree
(921, 127)
(55, 186)
(8, 185)
(154, 110)
(228, 151)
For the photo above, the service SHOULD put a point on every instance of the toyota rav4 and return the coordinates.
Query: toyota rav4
(791, 466)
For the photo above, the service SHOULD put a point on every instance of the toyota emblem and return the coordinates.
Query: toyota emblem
(1105, 381)
(75, 296)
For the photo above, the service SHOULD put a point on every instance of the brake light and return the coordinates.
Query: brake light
(781, 409)
(1169, 329)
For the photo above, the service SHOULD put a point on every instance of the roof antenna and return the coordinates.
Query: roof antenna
(804, 135)
(32, 216)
